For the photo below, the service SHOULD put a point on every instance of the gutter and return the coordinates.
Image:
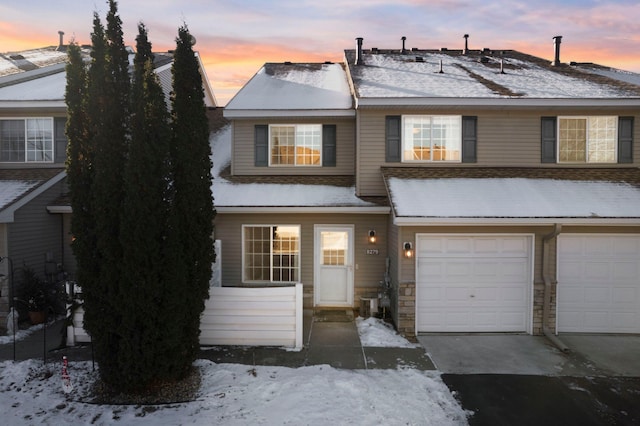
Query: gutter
(546, 241)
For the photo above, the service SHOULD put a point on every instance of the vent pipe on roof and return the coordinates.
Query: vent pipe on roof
(466, 44)
(403, 48)
(556, 44)
(61, 43)
(359, 51)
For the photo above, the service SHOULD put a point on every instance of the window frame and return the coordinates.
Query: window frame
(458, 140)
(294, 267)
(295, 145)
(26, 149)
(587, 119)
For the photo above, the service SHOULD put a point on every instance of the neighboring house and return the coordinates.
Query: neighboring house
(35, 214)
(503, 189)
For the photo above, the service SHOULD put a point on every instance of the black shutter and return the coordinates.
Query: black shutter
(393, 144)
(60, 140)
(261, 145)
(625, 140)
(329, 145)
(469, 139)
(548, 140)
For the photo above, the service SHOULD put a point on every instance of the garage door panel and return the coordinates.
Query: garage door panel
(473, 283)
(624, 295)
(599, 283)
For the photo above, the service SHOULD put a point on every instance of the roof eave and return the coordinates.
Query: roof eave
(305, 209)
(54, 103)
(501, 221)
(262, 113)
(498, 102)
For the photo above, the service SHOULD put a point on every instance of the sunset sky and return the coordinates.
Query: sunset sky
(235, 37)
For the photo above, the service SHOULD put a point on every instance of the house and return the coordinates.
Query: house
(490, 190)
(35, 213)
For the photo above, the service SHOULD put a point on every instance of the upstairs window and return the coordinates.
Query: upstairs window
(431, 138)
(271, 253)
(26, 140)
(587, 139)
(295, 145)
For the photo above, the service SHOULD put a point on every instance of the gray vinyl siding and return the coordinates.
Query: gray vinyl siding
(368, 270)
(36, 233)
(505, 138)
(242, 156)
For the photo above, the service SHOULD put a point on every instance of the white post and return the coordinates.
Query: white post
(299, 316)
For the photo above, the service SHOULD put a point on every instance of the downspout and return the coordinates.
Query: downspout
(546, 241)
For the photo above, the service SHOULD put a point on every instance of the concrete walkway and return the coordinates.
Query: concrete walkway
(330, 338)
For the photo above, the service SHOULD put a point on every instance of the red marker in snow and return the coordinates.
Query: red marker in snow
(67, 387)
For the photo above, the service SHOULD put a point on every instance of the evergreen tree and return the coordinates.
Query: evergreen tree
(79, 165)
(193, 211)
(144, 358)
(111, 142)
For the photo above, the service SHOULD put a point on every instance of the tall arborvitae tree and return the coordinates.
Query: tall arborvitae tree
(193, 210)
(143, 211)
(98, 317)
(144, 228)
(79, 164)
(111, 142)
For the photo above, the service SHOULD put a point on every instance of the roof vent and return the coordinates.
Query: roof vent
(484, 60)
(359, 60)
(556, 44)
(403, 48)
(419, 59)
(61, 43)
(287, 62)
(466, 44)
(440, 72)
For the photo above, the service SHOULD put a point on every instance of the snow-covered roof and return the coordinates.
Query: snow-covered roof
(43, 88)
(480, 77)
(230, 195)
(291, 88)
(19, 186)
(19, 62)
(463, 199)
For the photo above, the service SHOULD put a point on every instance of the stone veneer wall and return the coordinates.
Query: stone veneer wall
(538, 303)
(407, 310)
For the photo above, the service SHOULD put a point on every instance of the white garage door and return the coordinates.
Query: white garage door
(473, 283)
(599, 283)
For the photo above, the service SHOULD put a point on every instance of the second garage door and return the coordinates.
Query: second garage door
(473, 283)
(599, 283)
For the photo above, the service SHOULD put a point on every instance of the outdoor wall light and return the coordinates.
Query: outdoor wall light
(372, 236)
(408, 250)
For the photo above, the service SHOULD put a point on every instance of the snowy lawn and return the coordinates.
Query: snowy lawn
(235, 394)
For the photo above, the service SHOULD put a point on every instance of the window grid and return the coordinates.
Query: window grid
(432, 138)
(26, 140)
(272, 253)
(587, 139)
(296, 145)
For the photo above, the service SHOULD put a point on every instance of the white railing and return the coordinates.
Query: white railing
(269, 316)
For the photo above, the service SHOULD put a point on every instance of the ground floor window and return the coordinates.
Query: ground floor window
(271, 253)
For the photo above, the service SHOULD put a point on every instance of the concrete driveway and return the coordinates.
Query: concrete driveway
(590, 355)
(526, 380)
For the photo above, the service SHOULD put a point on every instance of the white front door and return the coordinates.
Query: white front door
(333, 276)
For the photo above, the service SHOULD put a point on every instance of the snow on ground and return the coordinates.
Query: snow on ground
(235, 394)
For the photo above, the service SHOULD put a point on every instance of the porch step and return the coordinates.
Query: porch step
(333, 315)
